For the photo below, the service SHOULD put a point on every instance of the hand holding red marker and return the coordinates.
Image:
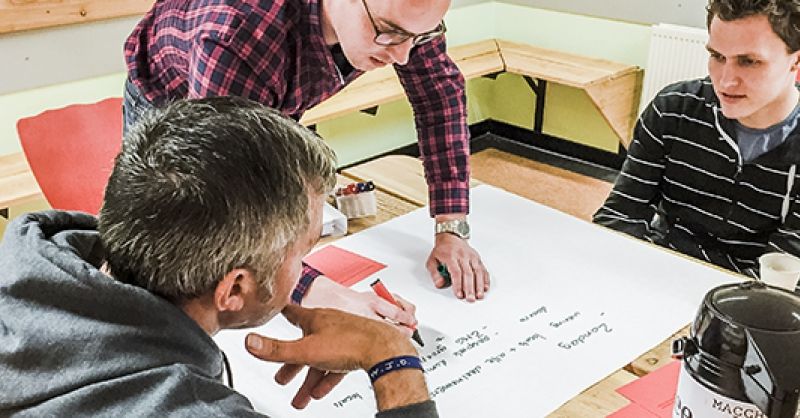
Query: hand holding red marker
(384, 294)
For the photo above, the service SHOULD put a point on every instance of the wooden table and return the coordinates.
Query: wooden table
(402, 188)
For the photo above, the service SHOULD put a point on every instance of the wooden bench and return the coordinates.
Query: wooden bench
(614, 88)
(382, 85)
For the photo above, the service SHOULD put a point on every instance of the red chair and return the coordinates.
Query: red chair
(71, 152)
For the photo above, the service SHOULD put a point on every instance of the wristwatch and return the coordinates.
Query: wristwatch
(457, 227)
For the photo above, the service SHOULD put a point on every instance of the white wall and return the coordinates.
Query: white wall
(44, 57)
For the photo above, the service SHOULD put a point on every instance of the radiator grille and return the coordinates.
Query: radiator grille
(676, 53)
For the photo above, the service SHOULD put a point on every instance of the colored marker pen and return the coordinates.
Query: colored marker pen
(442, 269)
(384, 294)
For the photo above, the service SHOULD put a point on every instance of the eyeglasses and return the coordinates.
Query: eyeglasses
(398, 36)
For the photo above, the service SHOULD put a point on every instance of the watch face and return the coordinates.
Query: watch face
(463, 228)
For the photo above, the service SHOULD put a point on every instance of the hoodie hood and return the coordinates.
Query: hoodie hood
(66, 327)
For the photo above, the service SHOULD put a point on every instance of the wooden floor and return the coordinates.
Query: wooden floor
(564, 190)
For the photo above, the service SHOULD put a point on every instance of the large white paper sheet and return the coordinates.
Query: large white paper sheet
(570, 303)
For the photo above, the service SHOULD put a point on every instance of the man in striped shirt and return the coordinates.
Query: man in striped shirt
(712, 168)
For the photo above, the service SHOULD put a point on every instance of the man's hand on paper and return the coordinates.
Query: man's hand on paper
(469, 277)
(333, 343)
(325, 293)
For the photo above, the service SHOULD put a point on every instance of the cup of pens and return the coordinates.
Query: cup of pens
(357, 200)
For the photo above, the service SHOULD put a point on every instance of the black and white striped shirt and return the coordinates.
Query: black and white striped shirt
(684, 184)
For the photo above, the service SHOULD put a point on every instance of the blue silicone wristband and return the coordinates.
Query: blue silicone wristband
(392, 364)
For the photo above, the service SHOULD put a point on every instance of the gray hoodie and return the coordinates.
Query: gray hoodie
(75, 342)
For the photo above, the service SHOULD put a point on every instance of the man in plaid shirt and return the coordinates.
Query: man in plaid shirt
(291, 55)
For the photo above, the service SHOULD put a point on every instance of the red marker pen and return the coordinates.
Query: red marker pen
(384, 294)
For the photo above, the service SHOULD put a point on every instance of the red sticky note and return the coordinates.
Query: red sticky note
(632, 411)
(655, 391)
(343, 266)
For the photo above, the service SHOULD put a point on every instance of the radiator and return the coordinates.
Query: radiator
(676, 53)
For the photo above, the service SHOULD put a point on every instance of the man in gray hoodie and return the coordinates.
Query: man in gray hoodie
(211, 206)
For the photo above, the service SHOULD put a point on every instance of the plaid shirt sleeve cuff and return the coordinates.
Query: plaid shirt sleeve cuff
(306, 279)
(449, 197)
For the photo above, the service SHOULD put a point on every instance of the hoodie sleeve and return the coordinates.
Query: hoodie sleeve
(425, 409)
(189, 394)
(211, 398)
(631, 205)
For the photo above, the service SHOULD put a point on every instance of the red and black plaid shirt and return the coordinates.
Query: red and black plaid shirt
(273, 52)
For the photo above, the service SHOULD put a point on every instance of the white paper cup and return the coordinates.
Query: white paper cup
(780, 269)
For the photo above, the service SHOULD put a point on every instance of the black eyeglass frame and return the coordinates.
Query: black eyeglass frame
(416, 38)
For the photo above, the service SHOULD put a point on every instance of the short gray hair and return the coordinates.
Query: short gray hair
(205, 186)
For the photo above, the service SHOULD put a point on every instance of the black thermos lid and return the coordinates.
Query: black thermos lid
(755, 328)
(757, 306)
